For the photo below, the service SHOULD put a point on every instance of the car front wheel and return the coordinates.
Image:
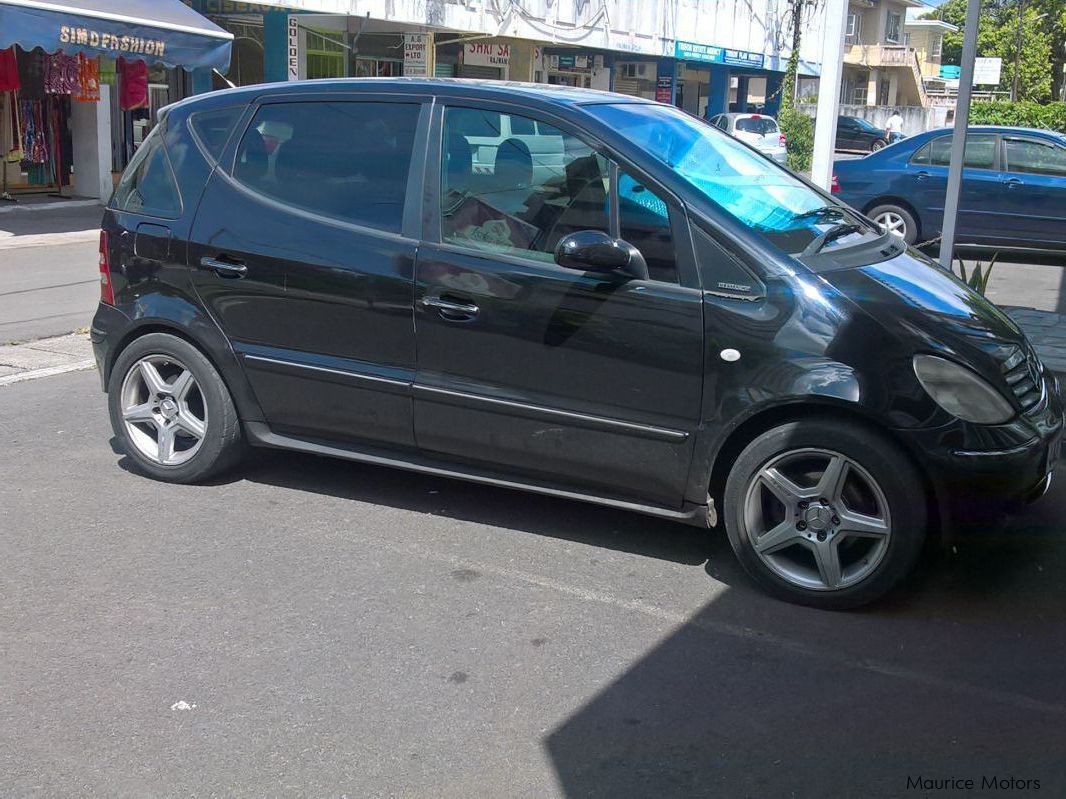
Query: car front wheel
(825, 514)
(877, 145)
(171, 410)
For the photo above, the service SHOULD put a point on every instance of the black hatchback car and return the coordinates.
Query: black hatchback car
(565, 291)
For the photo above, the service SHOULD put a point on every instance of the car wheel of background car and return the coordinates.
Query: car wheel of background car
(877, 145)
(825, 513)
(893, 219)
(171, 410)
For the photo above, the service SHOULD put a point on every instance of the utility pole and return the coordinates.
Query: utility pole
(825, 125)
(958, 139)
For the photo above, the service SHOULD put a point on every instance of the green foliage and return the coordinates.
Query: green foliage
(1049, 116)
(978, 276)
(799, 130)
(1043, 31)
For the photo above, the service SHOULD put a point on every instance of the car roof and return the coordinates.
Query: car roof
(543, 93)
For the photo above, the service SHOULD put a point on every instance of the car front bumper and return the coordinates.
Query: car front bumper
(977, 486)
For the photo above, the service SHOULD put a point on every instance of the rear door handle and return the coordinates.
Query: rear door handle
(224, 268)
(1011, 183)
(452, 310)
(923, 175)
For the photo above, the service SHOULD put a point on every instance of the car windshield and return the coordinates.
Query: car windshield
(749, 187)
(866, 125)
(760, 125)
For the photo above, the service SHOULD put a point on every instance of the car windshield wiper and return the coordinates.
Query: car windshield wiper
(820, 213)
(835, 232)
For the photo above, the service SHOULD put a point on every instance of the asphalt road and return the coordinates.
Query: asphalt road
(341, 630)
(49, 282)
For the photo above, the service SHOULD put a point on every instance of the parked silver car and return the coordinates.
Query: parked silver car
(758, 130)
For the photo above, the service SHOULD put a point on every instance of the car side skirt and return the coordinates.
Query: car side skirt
(260, 434)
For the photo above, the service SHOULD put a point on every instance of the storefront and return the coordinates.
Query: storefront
(712, 80)
(80, 81)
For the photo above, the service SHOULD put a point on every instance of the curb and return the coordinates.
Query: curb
(49, 371)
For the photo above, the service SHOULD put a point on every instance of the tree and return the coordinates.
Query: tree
(1043, 40)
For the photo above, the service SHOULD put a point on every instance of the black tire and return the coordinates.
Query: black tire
(222, 443)
(877, 144)
(910, 224)
(897, 479)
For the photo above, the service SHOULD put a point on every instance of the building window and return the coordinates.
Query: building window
(893, 27)
(854, 29)
(938, 46)
(858, 95)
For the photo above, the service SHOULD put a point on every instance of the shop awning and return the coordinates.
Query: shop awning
(164, 32)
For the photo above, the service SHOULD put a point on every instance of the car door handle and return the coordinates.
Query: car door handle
(452, 310)
(224, 268)
(923, 175)
(1011, 183)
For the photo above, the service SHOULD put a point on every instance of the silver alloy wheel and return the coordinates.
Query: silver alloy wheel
(817, 519)
(163, 410)
(891, 222)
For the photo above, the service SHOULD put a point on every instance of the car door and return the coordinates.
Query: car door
(847, 132)
(980, 217)
(567, 377)
(303, 251)
(1033, 191)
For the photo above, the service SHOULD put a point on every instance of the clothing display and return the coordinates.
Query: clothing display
(9, 70)
(88, 90)
(61, 74)
(133, 84)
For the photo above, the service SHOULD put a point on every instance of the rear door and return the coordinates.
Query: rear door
(981, 218)
(303, 251)
(566, 376)
(1033, 191)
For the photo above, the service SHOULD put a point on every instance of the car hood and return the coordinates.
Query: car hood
(915, 299)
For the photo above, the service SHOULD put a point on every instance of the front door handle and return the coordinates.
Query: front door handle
(224, 268)
(452, 310)
(923, 175)
(1012, 183)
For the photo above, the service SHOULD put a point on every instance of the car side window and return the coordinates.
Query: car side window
(212, 128)
(518, 195)
(346, 160)
(1034, 157)
(148, 185)
(644, 222)
(980, 152)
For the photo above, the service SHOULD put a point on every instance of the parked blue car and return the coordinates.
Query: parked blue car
(1013, 188)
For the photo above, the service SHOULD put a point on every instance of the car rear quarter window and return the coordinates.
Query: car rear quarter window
(212, 129)
(148, 186)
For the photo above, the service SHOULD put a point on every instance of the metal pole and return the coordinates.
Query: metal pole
(958, 140)
(825, 127)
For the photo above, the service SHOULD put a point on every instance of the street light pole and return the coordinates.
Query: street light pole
(958, 139)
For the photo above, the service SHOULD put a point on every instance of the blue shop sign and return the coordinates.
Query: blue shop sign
(712, 54)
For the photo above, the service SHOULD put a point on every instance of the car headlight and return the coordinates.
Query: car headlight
(960, 391)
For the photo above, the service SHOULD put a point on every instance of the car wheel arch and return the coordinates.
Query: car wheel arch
(247, 406)
(729, 448)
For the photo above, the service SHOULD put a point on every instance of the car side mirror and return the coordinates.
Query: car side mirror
(595, 251)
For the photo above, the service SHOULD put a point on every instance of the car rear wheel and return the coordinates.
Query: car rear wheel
(877, 145)
(171, 410)
(896, 220)
(825, 514)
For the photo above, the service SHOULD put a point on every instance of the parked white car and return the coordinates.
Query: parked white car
(758, 130)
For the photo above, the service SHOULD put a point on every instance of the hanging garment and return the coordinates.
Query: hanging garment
(88, 80)
(9, 70)
(61, 74)
(133, 84)
(34, 137)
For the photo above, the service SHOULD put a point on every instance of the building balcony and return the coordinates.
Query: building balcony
(879, 55)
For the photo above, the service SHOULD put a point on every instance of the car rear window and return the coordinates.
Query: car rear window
(760, 125)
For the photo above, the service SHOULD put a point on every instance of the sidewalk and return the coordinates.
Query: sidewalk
(46, 357)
